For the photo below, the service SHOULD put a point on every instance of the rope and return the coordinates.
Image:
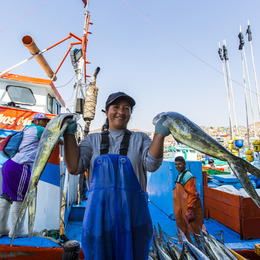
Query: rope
(169, 216)
(256, 84)
(244, 78)
(61, 86)
(232, 96)
(52, 235)
(250, 96)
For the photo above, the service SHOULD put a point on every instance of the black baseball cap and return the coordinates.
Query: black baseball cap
(114, 96)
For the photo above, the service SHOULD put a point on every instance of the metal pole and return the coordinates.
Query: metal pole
(65, 189)
(228, 95)
(248, 80)
(82, 67)
(248, 31)
(232, 95)
(78, 86)
(21, 63)
(244, 80)
(224, 73)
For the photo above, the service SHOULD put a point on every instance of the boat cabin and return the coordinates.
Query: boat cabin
(32, 94)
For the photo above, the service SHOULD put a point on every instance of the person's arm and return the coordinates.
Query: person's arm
(161, 131)
(156, 147)
(71, 149)
(190, 187)
(71, 153)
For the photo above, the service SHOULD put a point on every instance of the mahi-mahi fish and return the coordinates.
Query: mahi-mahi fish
(48, 141)
(186, 132)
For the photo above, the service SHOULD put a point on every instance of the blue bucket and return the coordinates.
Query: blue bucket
(239, 143)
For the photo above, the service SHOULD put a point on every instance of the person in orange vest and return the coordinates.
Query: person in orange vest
(186, 201)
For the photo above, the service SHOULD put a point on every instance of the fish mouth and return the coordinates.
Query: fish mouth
(158, 117)
(66, 118)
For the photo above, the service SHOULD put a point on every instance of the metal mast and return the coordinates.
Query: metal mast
(248, 31)
(240, 36)
(227, 88)
(241, 45)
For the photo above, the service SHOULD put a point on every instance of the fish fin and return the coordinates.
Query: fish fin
(32, 211)
(240, 167)
(20, 217)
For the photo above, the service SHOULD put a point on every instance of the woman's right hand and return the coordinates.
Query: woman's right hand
(162, 129)
(72, 128)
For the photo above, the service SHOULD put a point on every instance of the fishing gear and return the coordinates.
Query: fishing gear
(225, 55)
(241, 45)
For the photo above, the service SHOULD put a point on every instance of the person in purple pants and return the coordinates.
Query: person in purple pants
(16, 174)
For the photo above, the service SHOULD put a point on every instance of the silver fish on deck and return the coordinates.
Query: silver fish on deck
(161, 250)
(49, 139)
(196, 252)
(206, 249)
(186, 132)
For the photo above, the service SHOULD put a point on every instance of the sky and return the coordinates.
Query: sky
(162, 53)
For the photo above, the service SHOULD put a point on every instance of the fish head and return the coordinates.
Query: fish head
(58, 125)
(158, 117)
(177, 123)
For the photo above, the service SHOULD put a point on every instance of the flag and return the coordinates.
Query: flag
(84, 2)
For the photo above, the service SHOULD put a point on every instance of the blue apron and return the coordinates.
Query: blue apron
(117, 223)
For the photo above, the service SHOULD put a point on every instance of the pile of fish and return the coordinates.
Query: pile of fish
(202, 247)
(186, 132)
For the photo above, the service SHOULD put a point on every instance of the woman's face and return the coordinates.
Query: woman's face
(118, 114)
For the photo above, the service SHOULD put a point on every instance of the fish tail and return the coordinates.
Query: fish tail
(252, 169)
(20, 217)
(32, 211)
(240, 167)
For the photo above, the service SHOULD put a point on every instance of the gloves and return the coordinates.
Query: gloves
(162, 129)
(72, 128)
(190, 216)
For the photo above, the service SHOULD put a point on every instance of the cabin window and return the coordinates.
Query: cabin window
(50, 103)
(57, 107)
(21, 95)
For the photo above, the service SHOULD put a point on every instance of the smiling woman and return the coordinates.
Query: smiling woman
(119, 107)
(117, 161)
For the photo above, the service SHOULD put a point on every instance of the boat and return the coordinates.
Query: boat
(179, 150)
(21, 97)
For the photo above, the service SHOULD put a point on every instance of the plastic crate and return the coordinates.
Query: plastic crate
(257, 249)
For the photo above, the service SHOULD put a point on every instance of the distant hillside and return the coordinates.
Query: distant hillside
(257, 124)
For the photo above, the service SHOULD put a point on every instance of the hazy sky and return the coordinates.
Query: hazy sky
(162, 53)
